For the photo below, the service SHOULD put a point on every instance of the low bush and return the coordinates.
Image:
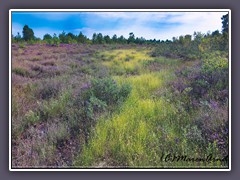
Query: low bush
(21, 72)
(94, 105)
(48, 89)
(109, 91)
(96, 98)
(31, 118)
(22, 45)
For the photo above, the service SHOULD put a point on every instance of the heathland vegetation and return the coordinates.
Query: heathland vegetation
(116, 102)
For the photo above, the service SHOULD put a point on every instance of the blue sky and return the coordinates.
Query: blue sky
(150, 25)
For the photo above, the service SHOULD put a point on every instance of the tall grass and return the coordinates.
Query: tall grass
(142, 130)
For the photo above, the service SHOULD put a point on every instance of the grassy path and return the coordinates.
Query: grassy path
(147, 125)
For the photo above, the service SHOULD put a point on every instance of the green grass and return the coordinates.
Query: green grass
(125, 61)
(142, 129)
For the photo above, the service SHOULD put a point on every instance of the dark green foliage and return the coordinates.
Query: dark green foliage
(47, 37)
(28, 33)
(81, 38)
(99, 96)
(114, 38)
(187, 49)
(225, 20)
(121, 40)
(131, 38)
(107, 39)
(71, 35)
(55, 40)
(68, 38)
(216, 33)
(109, 91)
(124, 91)
(21, 72)
(97, 38)
(62, 37)
(94, 105)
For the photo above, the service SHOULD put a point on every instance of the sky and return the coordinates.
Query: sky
(150, 25)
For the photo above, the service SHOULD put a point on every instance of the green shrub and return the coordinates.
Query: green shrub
(55, 107)
(57, 132)
(31, 118)
(21, 72)
(107, 90)
(213, 64)
(124, 91)
(22, 45)
(36, 58)
(54, 41)
(95, 105)
(100, 95)
(31, 42)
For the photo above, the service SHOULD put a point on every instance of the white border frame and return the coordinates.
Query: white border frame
(114, 10)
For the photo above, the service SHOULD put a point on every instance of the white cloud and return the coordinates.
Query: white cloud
(189, 22)
(183, 23)
(143, 16)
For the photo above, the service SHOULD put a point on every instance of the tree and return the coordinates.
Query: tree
(181, 40)
(94, 38)
(188, 38)
(224, 23)
(215, 33)
(71, 35)
(56, 40)
(28, 33)
(174, 39)
(97, 38)
(140, 40)
(47, 37)
(107, 39)
(63, 37)
(131, 38)
(100, 39)
(198, 36)
(121, 40)
(225, 29)
(114, 38)
(81, 38)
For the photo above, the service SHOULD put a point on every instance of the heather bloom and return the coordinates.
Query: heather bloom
(86, 85)
(213, 104)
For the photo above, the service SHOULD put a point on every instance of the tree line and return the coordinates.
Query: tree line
(99, 38)
(70, 38)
